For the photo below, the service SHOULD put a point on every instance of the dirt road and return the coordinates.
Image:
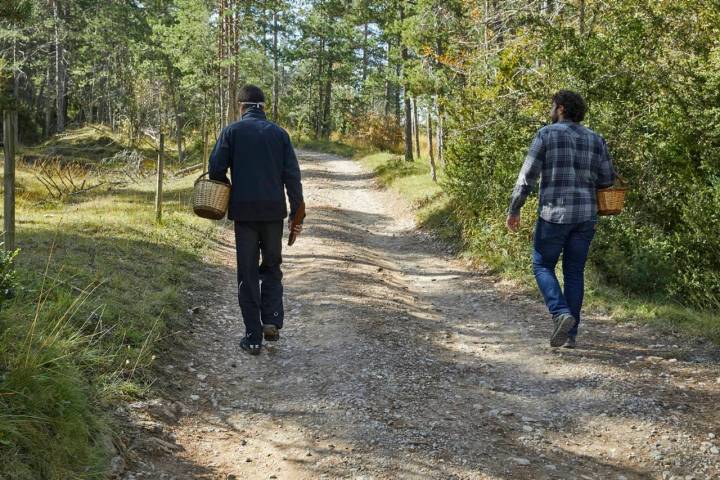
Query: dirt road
(400, 361)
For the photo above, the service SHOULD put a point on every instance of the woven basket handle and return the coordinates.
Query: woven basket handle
(620, 179)
(201, 176)
(208, 173)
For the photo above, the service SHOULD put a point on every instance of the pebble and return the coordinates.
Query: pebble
(714, 450)
(117, 465)
(521, 461)
(711, 435)
(195, 398)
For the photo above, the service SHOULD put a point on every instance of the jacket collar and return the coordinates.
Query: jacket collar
(254, 113)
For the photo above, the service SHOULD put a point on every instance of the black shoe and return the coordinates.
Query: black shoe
(563, 324)
(271, 332)
(570, 343)
(251, 348)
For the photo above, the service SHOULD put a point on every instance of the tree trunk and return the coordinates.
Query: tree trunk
(179, 130)
(408, 130)
(441, 134)
(433, 173)
(320, 112)
(365, 57)
(276, 72)
(388, 91)
(59, 73)
(396, 95)
(417, 127)
(327, 118)
(222, 32)
(48, 101)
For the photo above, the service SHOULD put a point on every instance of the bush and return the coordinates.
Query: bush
(379, 131)
(658, 106)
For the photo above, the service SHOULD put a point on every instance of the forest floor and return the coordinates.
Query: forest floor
(399, 360)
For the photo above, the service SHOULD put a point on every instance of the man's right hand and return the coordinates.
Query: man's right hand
(297, 230)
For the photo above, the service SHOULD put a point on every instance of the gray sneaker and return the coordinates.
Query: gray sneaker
(570, 343)
(563, 324)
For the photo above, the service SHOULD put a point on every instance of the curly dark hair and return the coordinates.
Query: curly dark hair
(574, 104)
(252, 94)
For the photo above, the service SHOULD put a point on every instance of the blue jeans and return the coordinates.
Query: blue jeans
(573, 241)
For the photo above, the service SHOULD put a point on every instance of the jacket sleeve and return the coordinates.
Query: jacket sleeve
(220, 159)
(606, 175)
(291, 177)
(529, 175)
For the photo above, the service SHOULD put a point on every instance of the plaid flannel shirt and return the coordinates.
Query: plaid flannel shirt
(572, 162)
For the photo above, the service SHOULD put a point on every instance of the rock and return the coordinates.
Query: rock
(521, 461)
(550, 466)
(194, 398)
(201, 376)
(714, 450)
(156, 444)
(711, 435)
(117, 465)
(527, 428)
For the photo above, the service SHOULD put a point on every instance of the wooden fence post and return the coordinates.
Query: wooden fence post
(158, 191)
(9, 136)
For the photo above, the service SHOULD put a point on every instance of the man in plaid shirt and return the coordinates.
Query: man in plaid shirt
(572, 163)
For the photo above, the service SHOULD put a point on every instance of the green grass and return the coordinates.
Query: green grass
(100, 285)
(335, 147)
(489, 245)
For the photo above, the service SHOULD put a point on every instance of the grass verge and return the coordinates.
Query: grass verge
(100, 284)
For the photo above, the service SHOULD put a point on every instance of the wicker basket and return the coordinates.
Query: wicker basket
(210, 198)
(610, 201)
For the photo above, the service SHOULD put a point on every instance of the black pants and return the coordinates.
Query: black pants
(260, 290)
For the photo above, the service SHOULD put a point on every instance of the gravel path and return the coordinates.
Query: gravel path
(400, 361)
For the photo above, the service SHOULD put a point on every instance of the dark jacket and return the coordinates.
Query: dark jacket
(262, 165)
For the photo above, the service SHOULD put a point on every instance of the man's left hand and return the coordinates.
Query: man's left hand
(513, 223)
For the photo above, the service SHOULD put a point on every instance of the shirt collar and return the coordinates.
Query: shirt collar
(254, 113)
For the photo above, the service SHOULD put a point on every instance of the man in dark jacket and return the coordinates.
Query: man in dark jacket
(572, 163)
(263, 165)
